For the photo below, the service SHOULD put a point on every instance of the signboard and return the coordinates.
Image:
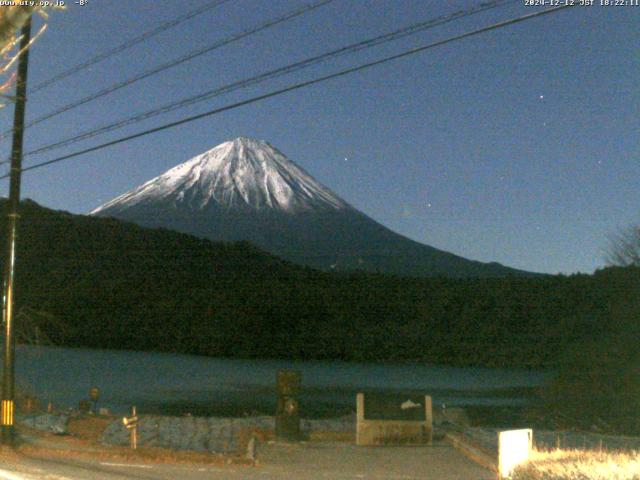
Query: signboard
(393, 419)
(288, 382)
(131, 424)
(394, 407)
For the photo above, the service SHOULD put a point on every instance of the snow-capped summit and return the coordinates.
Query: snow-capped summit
(241, 173)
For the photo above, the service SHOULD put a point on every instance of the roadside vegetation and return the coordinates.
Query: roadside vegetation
(580, 465)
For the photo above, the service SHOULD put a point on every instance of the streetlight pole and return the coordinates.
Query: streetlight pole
(8, 381)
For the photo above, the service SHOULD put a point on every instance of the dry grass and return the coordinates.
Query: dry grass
(149, 455)
(580, 465)
(88, 428)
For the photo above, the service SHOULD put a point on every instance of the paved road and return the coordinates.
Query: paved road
(311, 461)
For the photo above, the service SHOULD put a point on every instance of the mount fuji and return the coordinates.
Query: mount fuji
(246, 189)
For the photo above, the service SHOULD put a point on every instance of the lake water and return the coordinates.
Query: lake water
(178, 384)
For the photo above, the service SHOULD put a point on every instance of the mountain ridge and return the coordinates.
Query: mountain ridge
(246, 190)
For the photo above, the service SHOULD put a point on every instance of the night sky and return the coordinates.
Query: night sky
(519, 145)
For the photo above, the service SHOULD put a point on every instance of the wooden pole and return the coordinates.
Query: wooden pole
(8, 381)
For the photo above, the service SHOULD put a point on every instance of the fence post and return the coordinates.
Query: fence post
(134, 430)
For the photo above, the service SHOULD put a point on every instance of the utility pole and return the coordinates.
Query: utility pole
(8, 381)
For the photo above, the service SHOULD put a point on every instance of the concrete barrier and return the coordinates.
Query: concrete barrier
(513, 448)
(473, 450)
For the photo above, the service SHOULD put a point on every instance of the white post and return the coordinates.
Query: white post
(360, 417)
(428, 418)
(514, 448)
(134, 430)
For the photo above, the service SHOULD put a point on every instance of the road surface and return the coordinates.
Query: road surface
(304, 461)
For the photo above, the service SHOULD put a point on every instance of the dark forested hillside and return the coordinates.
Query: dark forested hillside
(116, 285)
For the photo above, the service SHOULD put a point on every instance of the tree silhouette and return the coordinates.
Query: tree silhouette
(624, 248)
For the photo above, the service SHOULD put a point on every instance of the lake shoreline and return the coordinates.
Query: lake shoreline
(490, 404)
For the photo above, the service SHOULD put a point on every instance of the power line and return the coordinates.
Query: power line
(296, 86)
(128, 44)
(371, 42)
(165, 66)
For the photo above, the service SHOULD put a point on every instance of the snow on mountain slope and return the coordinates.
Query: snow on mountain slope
(243, 173)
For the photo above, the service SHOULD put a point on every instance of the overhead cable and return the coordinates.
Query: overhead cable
(128, 44)
(271, 74)
(296, 86)
(190, 56)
